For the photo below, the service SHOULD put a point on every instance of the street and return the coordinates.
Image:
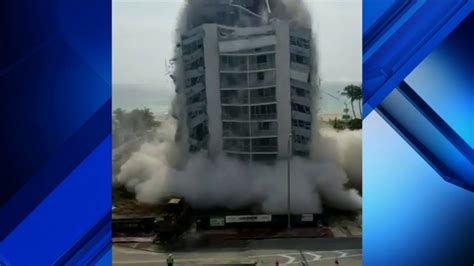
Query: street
(263, 252)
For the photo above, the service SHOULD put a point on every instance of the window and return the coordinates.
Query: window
(300, 42)
(267, 92)
(261, 59)
(304, 60)
(300, 108)
(261, 76)
(292, 40)
(263, 109)
(264, 125)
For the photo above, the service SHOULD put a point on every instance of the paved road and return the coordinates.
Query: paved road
(320, 252)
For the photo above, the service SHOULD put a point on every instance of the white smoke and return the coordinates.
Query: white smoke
(162, 167)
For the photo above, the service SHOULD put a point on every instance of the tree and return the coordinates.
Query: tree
(353, 93)
(119, 114)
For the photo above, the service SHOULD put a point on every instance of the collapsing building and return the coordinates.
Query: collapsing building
(245, 71)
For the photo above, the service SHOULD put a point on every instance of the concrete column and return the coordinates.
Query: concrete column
(213, 95)
(282, 60)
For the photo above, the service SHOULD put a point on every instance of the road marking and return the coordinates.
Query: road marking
(315, 256)
(288, 256)
(290, 259)
(343, 254)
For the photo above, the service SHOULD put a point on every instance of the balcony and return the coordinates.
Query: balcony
(300, 99)
(239, 133)
(193, 56)
(234, 68)
(300, 67)
(261, 83)
(302, 131)
(192, 122)
(259, 66)
(196, 106)
(265, 148)
(301, 116)
(257, 130)
(240, 117)
(267, 99)
(192, 73)
(234, 100)
(270, 116)
(300, 147)
(300, 50)
(233, 80)
(300, 84)
(231, 147)
(196, 88)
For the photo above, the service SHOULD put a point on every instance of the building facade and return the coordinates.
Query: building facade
(247, 88)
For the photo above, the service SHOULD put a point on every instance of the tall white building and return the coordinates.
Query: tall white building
(247, 89)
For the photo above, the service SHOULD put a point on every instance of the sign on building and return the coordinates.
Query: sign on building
(216, 221)
(248, 218)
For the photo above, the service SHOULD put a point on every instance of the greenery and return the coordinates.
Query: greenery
(127, 125)
(354, 94)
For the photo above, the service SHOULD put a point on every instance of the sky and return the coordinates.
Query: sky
(143, 40)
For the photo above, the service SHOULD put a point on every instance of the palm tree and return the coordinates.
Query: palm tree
(358, 97)
(353, 93)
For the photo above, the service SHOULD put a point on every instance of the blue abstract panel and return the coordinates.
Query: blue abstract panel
(445, 80)
(401, 38)
(411, 216)
(55, 76)
(418, 76)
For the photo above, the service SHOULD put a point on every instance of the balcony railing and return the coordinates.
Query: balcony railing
(300, 99)
(266, 65)
(261, 83)
(263, 116)
(241, 117)
(194, 89)
(227, 67)
(300, 147)
(236, 148)
(301, 116)
(234, 100)
(264, 148)
(267, 99)
(193, 56)
(234, 85)
(236, 133)
(272, 131)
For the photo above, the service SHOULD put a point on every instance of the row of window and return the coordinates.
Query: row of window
(265, 158)
(193, 46)
(300, 139)
(266, 92)
(301, 123)
(198, 97)
(263, 109)
(243, 127)
(300, 92)
(300, 108)
(262, 49)
(189, 82)
(243, 80)
(242, 112)
(300, 59)
(195, 64)
(260, 144)
(194, 114)
(300, 42)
